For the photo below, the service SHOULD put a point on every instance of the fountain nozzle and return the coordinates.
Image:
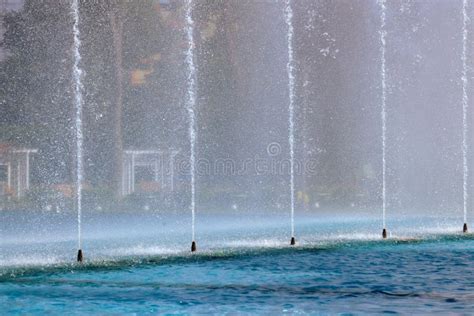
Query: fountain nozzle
(384, 233)
(464, 228)
(293, 241)
(80, 257)
(193, 246)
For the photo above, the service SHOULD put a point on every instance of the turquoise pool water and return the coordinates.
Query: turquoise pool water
(140, 263)
(434, 274)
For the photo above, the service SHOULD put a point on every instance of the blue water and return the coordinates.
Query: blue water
(432, 274)
(141, 263)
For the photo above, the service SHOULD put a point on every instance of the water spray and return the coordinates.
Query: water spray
(78, 102)
(465, 108)
(291, 109)
(191, 109)
(383, 113)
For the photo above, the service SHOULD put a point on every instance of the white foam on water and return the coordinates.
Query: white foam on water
(31, 260)
(141, 250)
(256, 243)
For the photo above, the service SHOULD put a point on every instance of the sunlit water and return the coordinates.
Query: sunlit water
(41, 238)
(141, 263)
(332, 276)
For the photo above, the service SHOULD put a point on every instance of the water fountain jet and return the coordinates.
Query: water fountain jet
(78, 102)
(465, 107)
(191, 109)
(383, 33)
(291, 110)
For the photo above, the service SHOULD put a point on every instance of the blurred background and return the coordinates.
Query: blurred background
(135, 123)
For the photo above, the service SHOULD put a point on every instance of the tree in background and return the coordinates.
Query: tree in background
(35, 90)
(120, 39)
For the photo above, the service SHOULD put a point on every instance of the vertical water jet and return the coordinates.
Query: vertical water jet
(465, 108)
(383, 113)
(291, 110)
(78, 102)
(191, 109)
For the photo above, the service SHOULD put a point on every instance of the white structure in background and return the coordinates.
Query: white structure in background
(5, 7)
(148, 171)
(15, 170)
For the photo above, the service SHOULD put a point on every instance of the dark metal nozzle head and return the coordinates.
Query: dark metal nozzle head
(293, 241)
(193, 246)
(80, 257)
(464, 228)
(384, 233)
